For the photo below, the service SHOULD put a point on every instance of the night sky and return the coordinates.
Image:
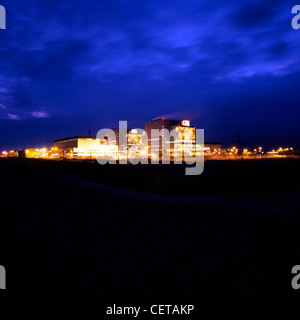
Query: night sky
(228, 66)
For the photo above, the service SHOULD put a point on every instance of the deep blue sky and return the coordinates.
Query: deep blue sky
(70, 66)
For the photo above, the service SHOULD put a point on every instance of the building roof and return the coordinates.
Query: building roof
(75, 138)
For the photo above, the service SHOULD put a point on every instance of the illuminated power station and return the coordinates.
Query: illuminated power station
(161, 139)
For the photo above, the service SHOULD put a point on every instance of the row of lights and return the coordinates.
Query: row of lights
(235, 150)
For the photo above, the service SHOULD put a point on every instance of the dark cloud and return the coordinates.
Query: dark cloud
(255, 13)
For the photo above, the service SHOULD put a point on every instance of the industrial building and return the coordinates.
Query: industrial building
(181, 134)
(78, 147)
(212, 148)
(151, 142)
(136, 142)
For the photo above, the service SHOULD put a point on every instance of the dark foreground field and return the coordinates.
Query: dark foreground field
(64, 236)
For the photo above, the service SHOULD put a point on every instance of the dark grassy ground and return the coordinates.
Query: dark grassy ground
(61, 237)
(220, 178)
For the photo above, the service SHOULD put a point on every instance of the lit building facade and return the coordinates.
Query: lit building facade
(136, 142)
(78, 147)
(213, 148)
(181, 139)
(34, 153)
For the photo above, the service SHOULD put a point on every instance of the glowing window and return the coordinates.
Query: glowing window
(185, 123)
